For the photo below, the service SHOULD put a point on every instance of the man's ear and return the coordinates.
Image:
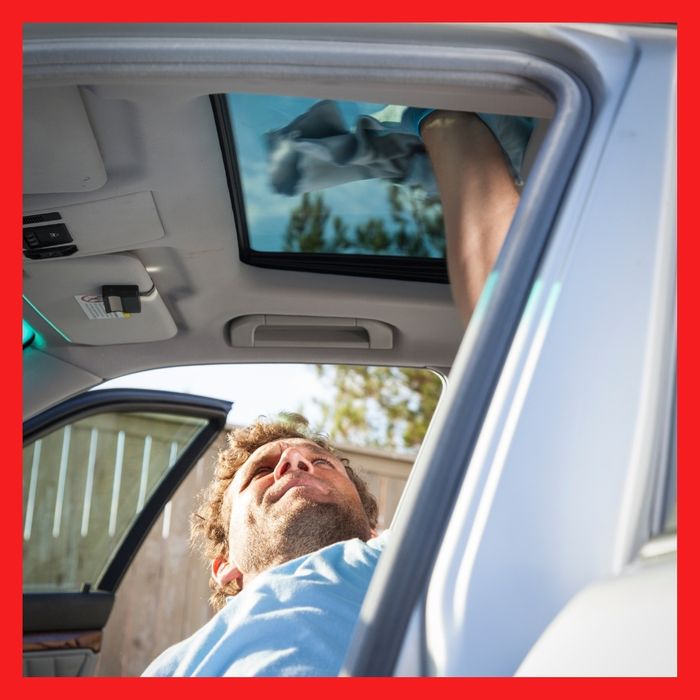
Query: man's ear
(223, 572)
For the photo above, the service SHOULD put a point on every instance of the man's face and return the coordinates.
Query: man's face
(289, 498)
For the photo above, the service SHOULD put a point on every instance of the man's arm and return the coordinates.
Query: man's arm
(478, 196)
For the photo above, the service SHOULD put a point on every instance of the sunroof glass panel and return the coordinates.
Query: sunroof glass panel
(330, 176)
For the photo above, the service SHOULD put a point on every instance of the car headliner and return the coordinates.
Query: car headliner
(145, 89)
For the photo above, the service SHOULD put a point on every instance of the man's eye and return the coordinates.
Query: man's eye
(322, 461)
(262, 470)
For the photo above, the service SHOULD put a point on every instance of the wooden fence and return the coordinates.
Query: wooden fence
(84, 484)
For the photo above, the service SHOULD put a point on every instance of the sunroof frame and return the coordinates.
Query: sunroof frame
(399, 267)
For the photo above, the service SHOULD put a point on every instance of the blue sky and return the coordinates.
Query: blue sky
(255, 390)
(262, 389)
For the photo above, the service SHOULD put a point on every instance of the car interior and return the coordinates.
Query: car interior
(132, 173)
(155, 234)
(221, 194)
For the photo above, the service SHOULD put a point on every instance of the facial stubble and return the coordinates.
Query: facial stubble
(300, 527)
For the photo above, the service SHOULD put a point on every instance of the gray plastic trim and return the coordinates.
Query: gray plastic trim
(65, 611)
(275, 330)
(63, 664)
(449, 77)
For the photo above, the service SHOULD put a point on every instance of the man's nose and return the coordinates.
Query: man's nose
(291, 459)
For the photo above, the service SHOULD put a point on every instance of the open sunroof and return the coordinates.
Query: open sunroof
(331, 186)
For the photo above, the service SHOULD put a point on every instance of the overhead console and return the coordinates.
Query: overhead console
(102, 226)
(47, 238)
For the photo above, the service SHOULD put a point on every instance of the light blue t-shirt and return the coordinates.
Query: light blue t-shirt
(295, 619)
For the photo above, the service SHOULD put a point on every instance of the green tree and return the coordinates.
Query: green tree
(414, 227)
(383, 407)
(306, 225)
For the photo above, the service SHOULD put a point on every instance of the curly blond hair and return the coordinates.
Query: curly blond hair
(209, 525)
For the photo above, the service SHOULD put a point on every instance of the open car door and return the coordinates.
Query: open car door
(97, 471)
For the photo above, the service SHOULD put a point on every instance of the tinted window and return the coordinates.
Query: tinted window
(327, 176)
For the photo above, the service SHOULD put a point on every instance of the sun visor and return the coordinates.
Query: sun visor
(67, 295)
(60, 150)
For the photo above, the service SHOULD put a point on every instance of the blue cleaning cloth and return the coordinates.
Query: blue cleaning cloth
(295, 619)
(318, 149)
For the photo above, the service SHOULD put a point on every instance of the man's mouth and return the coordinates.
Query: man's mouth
(295, 482)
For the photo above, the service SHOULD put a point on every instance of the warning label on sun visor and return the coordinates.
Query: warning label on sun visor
(94, 307)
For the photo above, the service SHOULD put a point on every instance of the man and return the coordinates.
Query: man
(289, 528)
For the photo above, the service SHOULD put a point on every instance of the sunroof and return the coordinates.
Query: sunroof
(331, 186)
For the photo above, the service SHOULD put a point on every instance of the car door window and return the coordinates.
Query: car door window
(83, 486)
